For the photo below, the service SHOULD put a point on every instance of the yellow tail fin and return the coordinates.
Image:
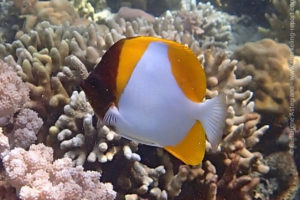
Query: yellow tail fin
(191, 149)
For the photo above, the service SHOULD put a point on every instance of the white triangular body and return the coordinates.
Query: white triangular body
(152, 106)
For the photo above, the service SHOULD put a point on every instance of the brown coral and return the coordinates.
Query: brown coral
(268, 63)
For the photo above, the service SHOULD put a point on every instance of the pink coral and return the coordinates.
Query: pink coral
(35, 176)
(4, 145)
(26, 127)
(13, 92)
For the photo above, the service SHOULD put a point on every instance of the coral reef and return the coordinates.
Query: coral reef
(136, 179)
(268, 63)
(206, 25)
(281, 25)
(53, 59)
(35, 175)
(40, 56)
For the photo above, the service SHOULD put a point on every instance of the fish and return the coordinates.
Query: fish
(151, 90)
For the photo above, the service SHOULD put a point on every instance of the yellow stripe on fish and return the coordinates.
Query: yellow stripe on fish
(150, 90)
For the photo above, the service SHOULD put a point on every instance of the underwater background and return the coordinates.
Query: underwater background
(52, 145)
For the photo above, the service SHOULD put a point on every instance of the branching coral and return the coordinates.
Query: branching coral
(81, 140)
(268, 63)
(41, 59)
(284, 22)
(205, 24)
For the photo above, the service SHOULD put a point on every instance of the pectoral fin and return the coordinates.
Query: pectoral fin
(111, 116)
(191, 149)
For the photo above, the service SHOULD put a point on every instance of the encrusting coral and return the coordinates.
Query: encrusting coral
(268, 63)
(284, 22)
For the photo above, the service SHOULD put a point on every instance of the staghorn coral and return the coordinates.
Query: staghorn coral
(268, 63)
(13, 93)
(36, 176)
(283, 23)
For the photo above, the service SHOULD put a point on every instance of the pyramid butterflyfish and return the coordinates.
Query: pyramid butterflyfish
(151, 90)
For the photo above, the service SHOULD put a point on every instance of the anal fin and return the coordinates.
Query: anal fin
(191, 149)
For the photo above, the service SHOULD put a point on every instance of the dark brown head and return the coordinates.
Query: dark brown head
(100, 86)
(99, 96)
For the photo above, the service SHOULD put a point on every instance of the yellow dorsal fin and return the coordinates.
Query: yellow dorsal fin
(188, 71)
(191, 149)
(186, 68)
